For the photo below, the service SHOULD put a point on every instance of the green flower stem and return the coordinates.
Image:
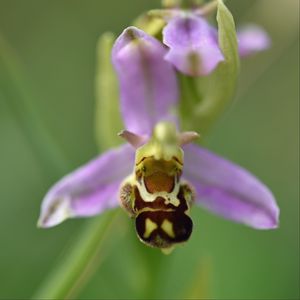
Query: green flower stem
(89, 250)
(19, 100)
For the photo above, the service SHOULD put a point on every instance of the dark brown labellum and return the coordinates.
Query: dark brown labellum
(162, 229)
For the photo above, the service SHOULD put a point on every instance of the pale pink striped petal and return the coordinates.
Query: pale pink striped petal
(229, 190)
(148, 85)
(89, 190)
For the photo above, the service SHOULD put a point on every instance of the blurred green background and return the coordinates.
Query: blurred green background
(55, 43)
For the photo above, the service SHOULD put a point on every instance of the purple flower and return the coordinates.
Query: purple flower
(193, 42)
(252, 39)
(193, 45)
(149, 94)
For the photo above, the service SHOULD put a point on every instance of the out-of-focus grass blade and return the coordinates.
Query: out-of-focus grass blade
(86, 253)
(108, 122)
(19, 99)
(200, 287)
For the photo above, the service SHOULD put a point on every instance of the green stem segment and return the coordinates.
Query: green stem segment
(66, 281)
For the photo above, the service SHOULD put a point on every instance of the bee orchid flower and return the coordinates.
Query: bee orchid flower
(192, 41)
(158, 174)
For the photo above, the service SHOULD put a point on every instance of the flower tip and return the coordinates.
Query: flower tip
(42, 223)
(265, 220)
(54, 211)
(132, 33)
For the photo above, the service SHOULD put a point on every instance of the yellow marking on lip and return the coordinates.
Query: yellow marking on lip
(167, 227)
(149, 227)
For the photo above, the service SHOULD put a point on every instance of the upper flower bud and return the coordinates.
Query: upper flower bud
(193, 45)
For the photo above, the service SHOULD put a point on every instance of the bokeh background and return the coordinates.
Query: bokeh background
(53, 82)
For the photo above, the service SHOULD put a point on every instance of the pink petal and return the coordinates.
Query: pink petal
(148, 84)
(229, 190)
(89, 190)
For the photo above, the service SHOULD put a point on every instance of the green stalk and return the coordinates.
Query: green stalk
(85, 255)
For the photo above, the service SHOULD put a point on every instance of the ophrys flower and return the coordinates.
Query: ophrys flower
(192, 40)
(158, 191)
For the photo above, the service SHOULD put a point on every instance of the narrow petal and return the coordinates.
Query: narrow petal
(193, 47)
(133, 139)
(188, 137)
(252, 39)
(148, 85)
(229, 190)
(89, 190)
